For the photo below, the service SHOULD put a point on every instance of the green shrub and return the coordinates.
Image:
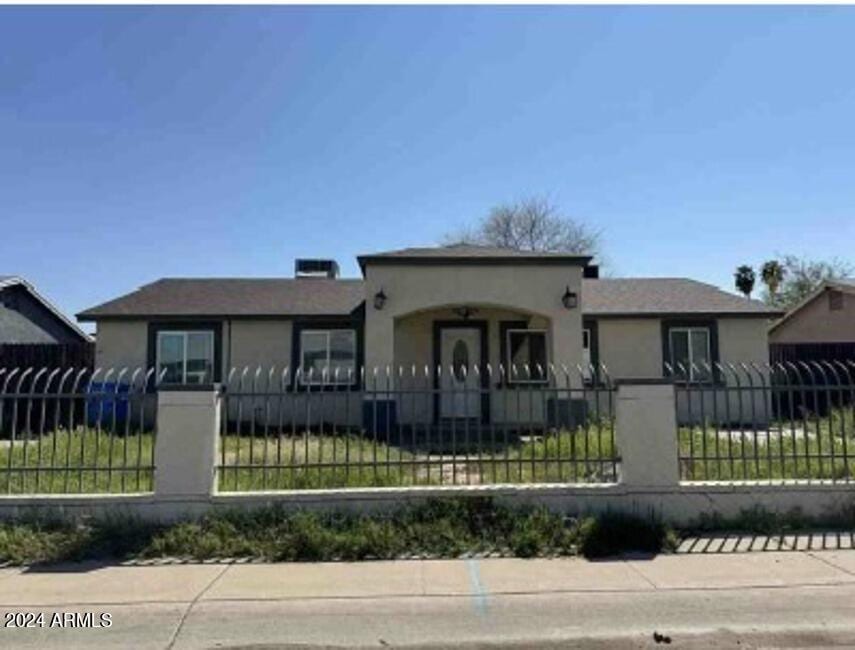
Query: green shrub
(434, 528)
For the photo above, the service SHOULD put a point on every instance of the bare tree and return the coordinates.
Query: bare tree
(532, 224)
(800, 277)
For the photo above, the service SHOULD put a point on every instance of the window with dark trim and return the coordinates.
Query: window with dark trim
(323, 346)
(185, 357)
(185, 352)
(690, 348)
(690, 352)
(525, 351)
(590, 351)
(328, 357)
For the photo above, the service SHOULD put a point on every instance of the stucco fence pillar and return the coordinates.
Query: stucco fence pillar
(646, 432)
(187, 443)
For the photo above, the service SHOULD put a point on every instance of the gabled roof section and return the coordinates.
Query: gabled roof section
(17, 328)
(839, 284)
(656, 296)
(470, 254)
(288, 298)
(238, 297)
(13, 319)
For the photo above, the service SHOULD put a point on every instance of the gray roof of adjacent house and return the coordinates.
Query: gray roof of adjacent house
(235, 297)
(470, 254)
(20, 327)
(185, 297)
(843, 283)
(17, 328)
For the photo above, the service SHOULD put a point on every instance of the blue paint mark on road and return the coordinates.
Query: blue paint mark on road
(479, 593)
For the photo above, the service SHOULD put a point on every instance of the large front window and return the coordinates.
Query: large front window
(526, 353)
(691, 358)
(185, 357)
(328, 356)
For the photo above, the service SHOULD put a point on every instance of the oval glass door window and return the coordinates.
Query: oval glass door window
(460, 360)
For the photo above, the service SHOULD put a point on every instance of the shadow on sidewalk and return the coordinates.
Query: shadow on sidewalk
(735, 542)
(87, 566)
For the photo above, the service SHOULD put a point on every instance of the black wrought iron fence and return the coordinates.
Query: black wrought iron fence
(749, 421)
(75, 430)
(304, 429)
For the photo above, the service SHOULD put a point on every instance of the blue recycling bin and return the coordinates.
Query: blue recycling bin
(102, 399)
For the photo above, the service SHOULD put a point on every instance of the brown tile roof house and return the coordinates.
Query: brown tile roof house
(820, 327)
(427, 307)
(328, 297)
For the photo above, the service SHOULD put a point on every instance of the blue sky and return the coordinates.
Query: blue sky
(140, 143)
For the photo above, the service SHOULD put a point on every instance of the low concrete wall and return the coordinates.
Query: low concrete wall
(186, 454)
(680, 505)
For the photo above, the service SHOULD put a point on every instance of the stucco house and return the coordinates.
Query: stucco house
(454, 307)
(822, 326)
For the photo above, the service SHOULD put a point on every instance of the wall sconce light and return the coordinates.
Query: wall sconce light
(465, 312)
(570, 299)
(379, 299)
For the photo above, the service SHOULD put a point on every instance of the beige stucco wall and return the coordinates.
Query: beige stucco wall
(816, 323)
(121, 344)
(631, 348)
(743, 340)
(527, 289)
(124, 343)
(254, 343)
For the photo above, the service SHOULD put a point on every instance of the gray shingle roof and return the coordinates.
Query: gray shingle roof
(12, 319)
(611, 297)
(17, 328)
(235, 297)
(324, 297)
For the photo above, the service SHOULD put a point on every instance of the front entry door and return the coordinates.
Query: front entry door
(460, 352)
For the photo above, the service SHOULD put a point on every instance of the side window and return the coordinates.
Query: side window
(691, 356)
(586, 353)
(526, 351)
(328, 356)
(185, 357)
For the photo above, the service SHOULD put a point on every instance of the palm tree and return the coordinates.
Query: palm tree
(744, 279)
(772, 275)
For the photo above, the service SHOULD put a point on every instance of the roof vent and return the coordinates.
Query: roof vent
(315, 269)
(591, 272)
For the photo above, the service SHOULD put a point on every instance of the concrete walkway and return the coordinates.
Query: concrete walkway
(799, 599)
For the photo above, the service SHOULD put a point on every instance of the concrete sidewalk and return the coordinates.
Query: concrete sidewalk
(697, 600)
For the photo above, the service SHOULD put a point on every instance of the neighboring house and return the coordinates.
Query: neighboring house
(28, 317)
(33, 332)
(821, 327)
(455, 307)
